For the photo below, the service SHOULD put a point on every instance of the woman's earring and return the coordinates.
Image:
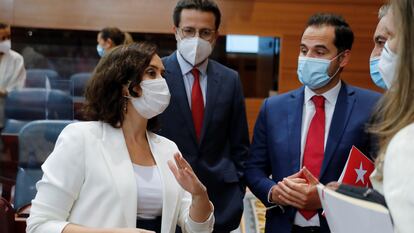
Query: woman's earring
(125, 105)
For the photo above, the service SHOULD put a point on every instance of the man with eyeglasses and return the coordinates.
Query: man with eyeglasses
(206, 117)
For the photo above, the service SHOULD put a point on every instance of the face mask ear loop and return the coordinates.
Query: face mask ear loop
(125, 108)
(337, 56)
(335, 73)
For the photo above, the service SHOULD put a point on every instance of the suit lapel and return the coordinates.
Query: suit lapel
(343, 109)
(175, 82)
(119, 163)
(295, 110)
(213, 89)
(170, 192)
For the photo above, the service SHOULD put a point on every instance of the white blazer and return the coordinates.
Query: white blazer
(89, 180)
(399, 179)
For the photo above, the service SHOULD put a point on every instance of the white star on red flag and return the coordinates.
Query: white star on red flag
(360, 174)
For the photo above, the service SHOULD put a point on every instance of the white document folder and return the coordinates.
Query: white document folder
(347, 214)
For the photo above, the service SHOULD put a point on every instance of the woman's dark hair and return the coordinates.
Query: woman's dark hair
(113, 33)
(201, 5)
(124, 65)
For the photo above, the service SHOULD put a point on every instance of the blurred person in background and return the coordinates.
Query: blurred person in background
(108, 38)
(12, 71)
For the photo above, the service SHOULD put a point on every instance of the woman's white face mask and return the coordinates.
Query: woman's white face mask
(154, 99)
(387, 65)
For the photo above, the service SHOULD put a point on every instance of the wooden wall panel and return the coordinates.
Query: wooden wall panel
(283, 18)
(130, 15)
(252, 111)
(6, 11)
(288, 18)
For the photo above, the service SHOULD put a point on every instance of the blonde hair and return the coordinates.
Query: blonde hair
(396, 108)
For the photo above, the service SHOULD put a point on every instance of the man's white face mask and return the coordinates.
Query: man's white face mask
(194, 50)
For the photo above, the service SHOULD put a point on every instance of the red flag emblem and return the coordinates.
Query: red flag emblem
(357, 169)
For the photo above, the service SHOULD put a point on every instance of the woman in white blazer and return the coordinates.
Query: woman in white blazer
(112, 174)
(394, 127)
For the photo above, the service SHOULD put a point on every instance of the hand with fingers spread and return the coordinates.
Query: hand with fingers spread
(185, 176)
(201, 207)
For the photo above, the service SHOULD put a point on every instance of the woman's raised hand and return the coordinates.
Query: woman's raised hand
(185, 176)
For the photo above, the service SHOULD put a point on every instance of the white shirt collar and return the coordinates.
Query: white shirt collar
(330, 96)
(187, 67)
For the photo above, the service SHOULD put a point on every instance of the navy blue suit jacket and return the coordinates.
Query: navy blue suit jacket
(276, 145)
(218, 160)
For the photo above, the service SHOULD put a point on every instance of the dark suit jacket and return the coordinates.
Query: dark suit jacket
(218, 160)
(276, 145)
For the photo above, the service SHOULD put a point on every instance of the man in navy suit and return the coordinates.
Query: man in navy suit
(314, 126)
(206, 117)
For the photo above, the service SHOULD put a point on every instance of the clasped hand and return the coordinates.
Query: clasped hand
(298, 190)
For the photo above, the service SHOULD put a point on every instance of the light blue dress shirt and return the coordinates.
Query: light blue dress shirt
(189, 78)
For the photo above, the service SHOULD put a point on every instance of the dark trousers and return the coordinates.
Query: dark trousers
(153, 225)
(150, 224)
(298, 229)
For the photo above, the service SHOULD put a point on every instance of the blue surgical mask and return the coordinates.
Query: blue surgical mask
(375, 73)
(313, 72)
(101, 51)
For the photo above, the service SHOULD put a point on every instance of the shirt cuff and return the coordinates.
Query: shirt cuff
(206, 226)
(275, 205)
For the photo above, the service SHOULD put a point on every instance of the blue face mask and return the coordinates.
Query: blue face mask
(375, 73)
(313, 72)
(100, 50)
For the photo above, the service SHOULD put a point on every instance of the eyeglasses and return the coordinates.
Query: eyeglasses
(204, 33)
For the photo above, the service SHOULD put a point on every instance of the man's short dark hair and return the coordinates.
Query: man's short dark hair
(344, 37)
(113, 33)
(201, 5)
